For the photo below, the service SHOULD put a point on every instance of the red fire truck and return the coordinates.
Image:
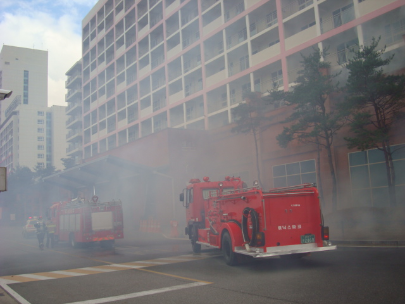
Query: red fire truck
(285, 222)
(80, 221)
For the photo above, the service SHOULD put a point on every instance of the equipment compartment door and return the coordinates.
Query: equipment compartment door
(102, 221)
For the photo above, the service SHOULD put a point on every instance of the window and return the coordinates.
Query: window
(40, 121)
(344, 50)
(245, 88)
(244, 62)
(308, 25)
(277, 78)
(40, 113)
(368, 177)
(41, 165)
(271, 18)
(40, 155)
(40, 130)
(257, 85)
(304, 3)
(274, 42)
(343, 15)
(40, 138)
(298, 173)
(242, 35)
(41, 147)
(394, 31)
(253, 29)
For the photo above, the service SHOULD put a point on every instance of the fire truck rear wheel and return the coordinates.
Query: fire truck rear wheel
(230, 256)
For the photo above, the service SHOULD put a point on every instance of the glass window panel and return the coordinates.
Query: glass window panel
(361, 197)
(293, 180)
(399, 167)
(293, 168)
(380, 196)
(378, 174)
(308, 178)
(358, 158)
(375, 156)
(307, 166)
(398, 154)
(359, 177)
(280, 182)
(279, 170)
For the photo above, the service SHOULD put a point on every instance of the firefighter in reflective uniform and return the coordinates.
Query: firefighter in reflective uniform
(50, 235)
(41, 231)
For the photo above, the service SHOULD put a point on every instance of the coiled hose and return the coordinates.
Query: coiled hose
(255, 225)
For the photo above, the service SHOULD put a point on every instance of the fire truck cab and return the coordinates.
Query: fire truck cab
(227, 215)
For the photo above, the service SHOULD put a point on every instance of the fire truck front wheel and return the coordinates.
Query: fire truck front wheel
(230, 256)
(194, 239)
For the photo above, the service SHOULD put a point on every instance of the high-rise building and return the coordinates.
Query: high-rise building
(31, 133)
(74, 111)
(148, 65)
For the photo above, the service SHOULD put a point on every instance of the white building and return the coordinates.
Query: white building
(31, 133)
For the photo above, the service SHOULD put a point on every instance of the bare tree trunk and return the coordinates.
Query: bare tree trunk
(257, 158)
(318, 172)
(389, 165)
(332, 172)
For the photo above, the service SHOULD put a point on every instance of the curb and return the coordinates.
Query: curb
(370, 243)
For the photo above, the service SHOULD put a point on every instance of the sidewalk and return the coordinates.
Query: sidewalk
(369, 243)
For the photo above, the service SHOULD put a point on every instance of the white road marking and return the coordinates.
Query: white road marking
(98, 269)
(128, 266)
(15, 295)
(34, 276)
(140, 293)
(69, 273)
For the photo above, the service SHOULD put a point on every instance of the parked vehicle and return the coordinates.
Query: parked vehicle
(29, 229)
(285, 222)
(81, 221)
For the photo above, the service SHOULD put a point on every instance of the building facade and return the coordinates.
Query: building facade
(31, 133)
(150, 65)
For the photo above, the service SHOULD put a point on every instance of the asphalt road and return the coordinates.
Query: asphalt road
(156, 270)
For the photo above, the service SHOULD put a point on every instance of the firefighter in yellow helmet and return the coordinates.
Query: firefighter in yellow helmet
(50, 235)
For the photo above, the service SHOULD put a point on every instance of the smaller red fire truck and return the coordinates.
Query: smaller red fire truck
(81, 221)
(285, 222)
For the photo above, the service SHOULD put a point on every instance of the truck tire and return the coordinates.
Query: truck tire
(231, 257)
(107, 244)
(194, 238)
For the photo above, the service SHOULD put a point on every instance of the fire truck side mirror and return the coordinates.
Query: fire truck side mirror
(181, 197)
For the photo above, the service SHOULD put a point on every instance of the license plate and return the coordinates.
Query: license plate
(307, 238)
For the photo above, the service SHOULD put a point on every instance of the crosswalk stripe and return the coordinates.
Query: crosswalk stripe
(98, 269)
(102, 268)
(35, 276)
(69, 273)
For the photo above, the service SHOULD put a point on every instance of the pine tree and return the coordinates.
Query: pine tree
(375, 101)
(313, 119)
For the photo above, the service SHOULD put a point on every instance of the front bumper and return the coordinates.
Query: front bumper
(282, 250)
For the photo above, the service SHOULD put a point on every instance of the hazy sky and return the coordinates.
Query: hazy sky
(52, 25)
